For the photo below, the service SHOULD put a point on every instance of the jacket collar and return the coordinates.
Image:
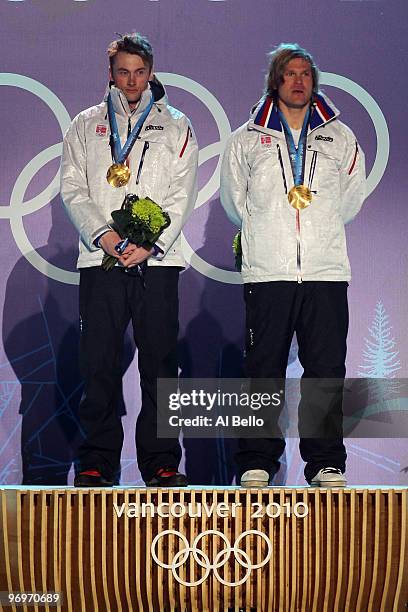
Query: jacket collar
(265, 115)
(120, 103)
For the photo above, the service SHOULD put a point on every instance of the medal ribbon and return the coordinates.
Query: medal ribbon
(297, 156)
(120, 153)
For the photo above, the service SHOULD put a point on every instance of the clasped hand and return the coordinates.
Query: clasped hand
(131, 256)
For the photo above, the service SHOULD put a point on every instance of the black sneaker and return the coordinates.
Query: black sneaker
(92, 478)
(167, 477)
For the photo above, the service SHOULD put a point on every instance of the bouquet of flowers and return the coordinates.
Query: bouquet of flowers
(237, 250)
(140, 221)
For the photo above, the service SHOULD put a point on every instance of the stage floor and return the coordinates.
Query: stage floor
(198, 488)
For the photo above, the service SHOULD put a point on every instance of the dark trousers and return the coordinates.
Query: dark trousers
(107, 302)
(318, 312)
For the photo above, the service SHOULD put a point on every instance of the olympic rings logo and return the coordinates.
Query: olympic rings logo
(19, 208)
(221, 558)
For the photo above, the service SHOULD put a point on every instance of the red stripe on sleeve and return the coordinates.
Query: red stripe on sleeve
(354, 160)
(185, 142)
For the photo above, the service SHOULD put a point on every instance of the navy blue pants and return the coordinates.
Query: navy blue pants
(108, 301)
(318, 312)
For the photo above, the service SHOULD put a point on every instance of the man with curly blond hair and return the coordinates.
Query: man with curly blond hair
(292, 177)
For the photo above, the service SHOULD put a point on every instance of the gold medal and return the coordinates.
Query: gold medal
(300, 197)
(118, 175)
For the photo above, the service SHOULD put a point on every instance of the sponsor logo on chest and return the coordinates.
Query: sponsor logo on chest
(153, 127)
(325, 138)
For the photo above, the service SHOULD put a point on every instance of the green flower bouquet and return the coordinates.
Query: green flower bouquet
(141, 221)
(237, 250)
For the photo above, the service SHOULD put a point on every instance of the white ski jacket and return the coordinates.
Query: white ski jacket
(163, 164)
(256, 177)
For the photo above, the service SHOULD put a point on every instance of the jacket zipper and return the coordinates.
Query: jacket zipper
(312, 171)
(298, 246)
(282, 169)
(139, 170)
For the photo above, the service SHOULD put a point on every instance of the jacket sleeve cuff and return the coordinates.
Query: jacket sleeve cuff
(96, 236)
(159, 249)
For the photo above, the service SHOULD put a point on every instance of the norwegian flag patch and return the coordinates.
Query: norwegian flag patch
(266, 141)
(101, 129)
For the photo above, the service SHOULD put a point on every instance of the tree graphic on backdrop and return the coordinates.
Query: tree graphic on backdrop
(381, 362)
(380, 357)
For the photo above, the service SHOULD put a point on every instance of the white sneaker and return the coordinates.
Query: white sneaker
(257, 479)
(329, 477)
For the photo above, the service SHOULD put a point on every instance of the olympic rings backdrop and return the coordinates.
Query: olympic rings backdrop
(211, 56)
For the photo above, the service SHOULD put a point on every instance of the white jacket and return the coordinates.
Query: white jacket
(163, 164)
(255, 168)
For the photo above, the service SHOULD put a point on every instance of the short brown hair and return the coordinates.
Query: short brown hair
(278, 59)
(132, 43)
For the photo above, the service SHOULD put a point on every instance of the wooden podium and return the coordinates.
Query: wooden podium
(276, 549)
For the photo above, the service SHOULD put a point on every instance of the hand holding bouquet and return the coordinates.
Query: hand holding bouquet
(141, 221)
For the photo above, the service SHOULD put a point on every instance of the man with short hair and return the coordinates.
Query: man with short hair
(153, 146)
(292, 177)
